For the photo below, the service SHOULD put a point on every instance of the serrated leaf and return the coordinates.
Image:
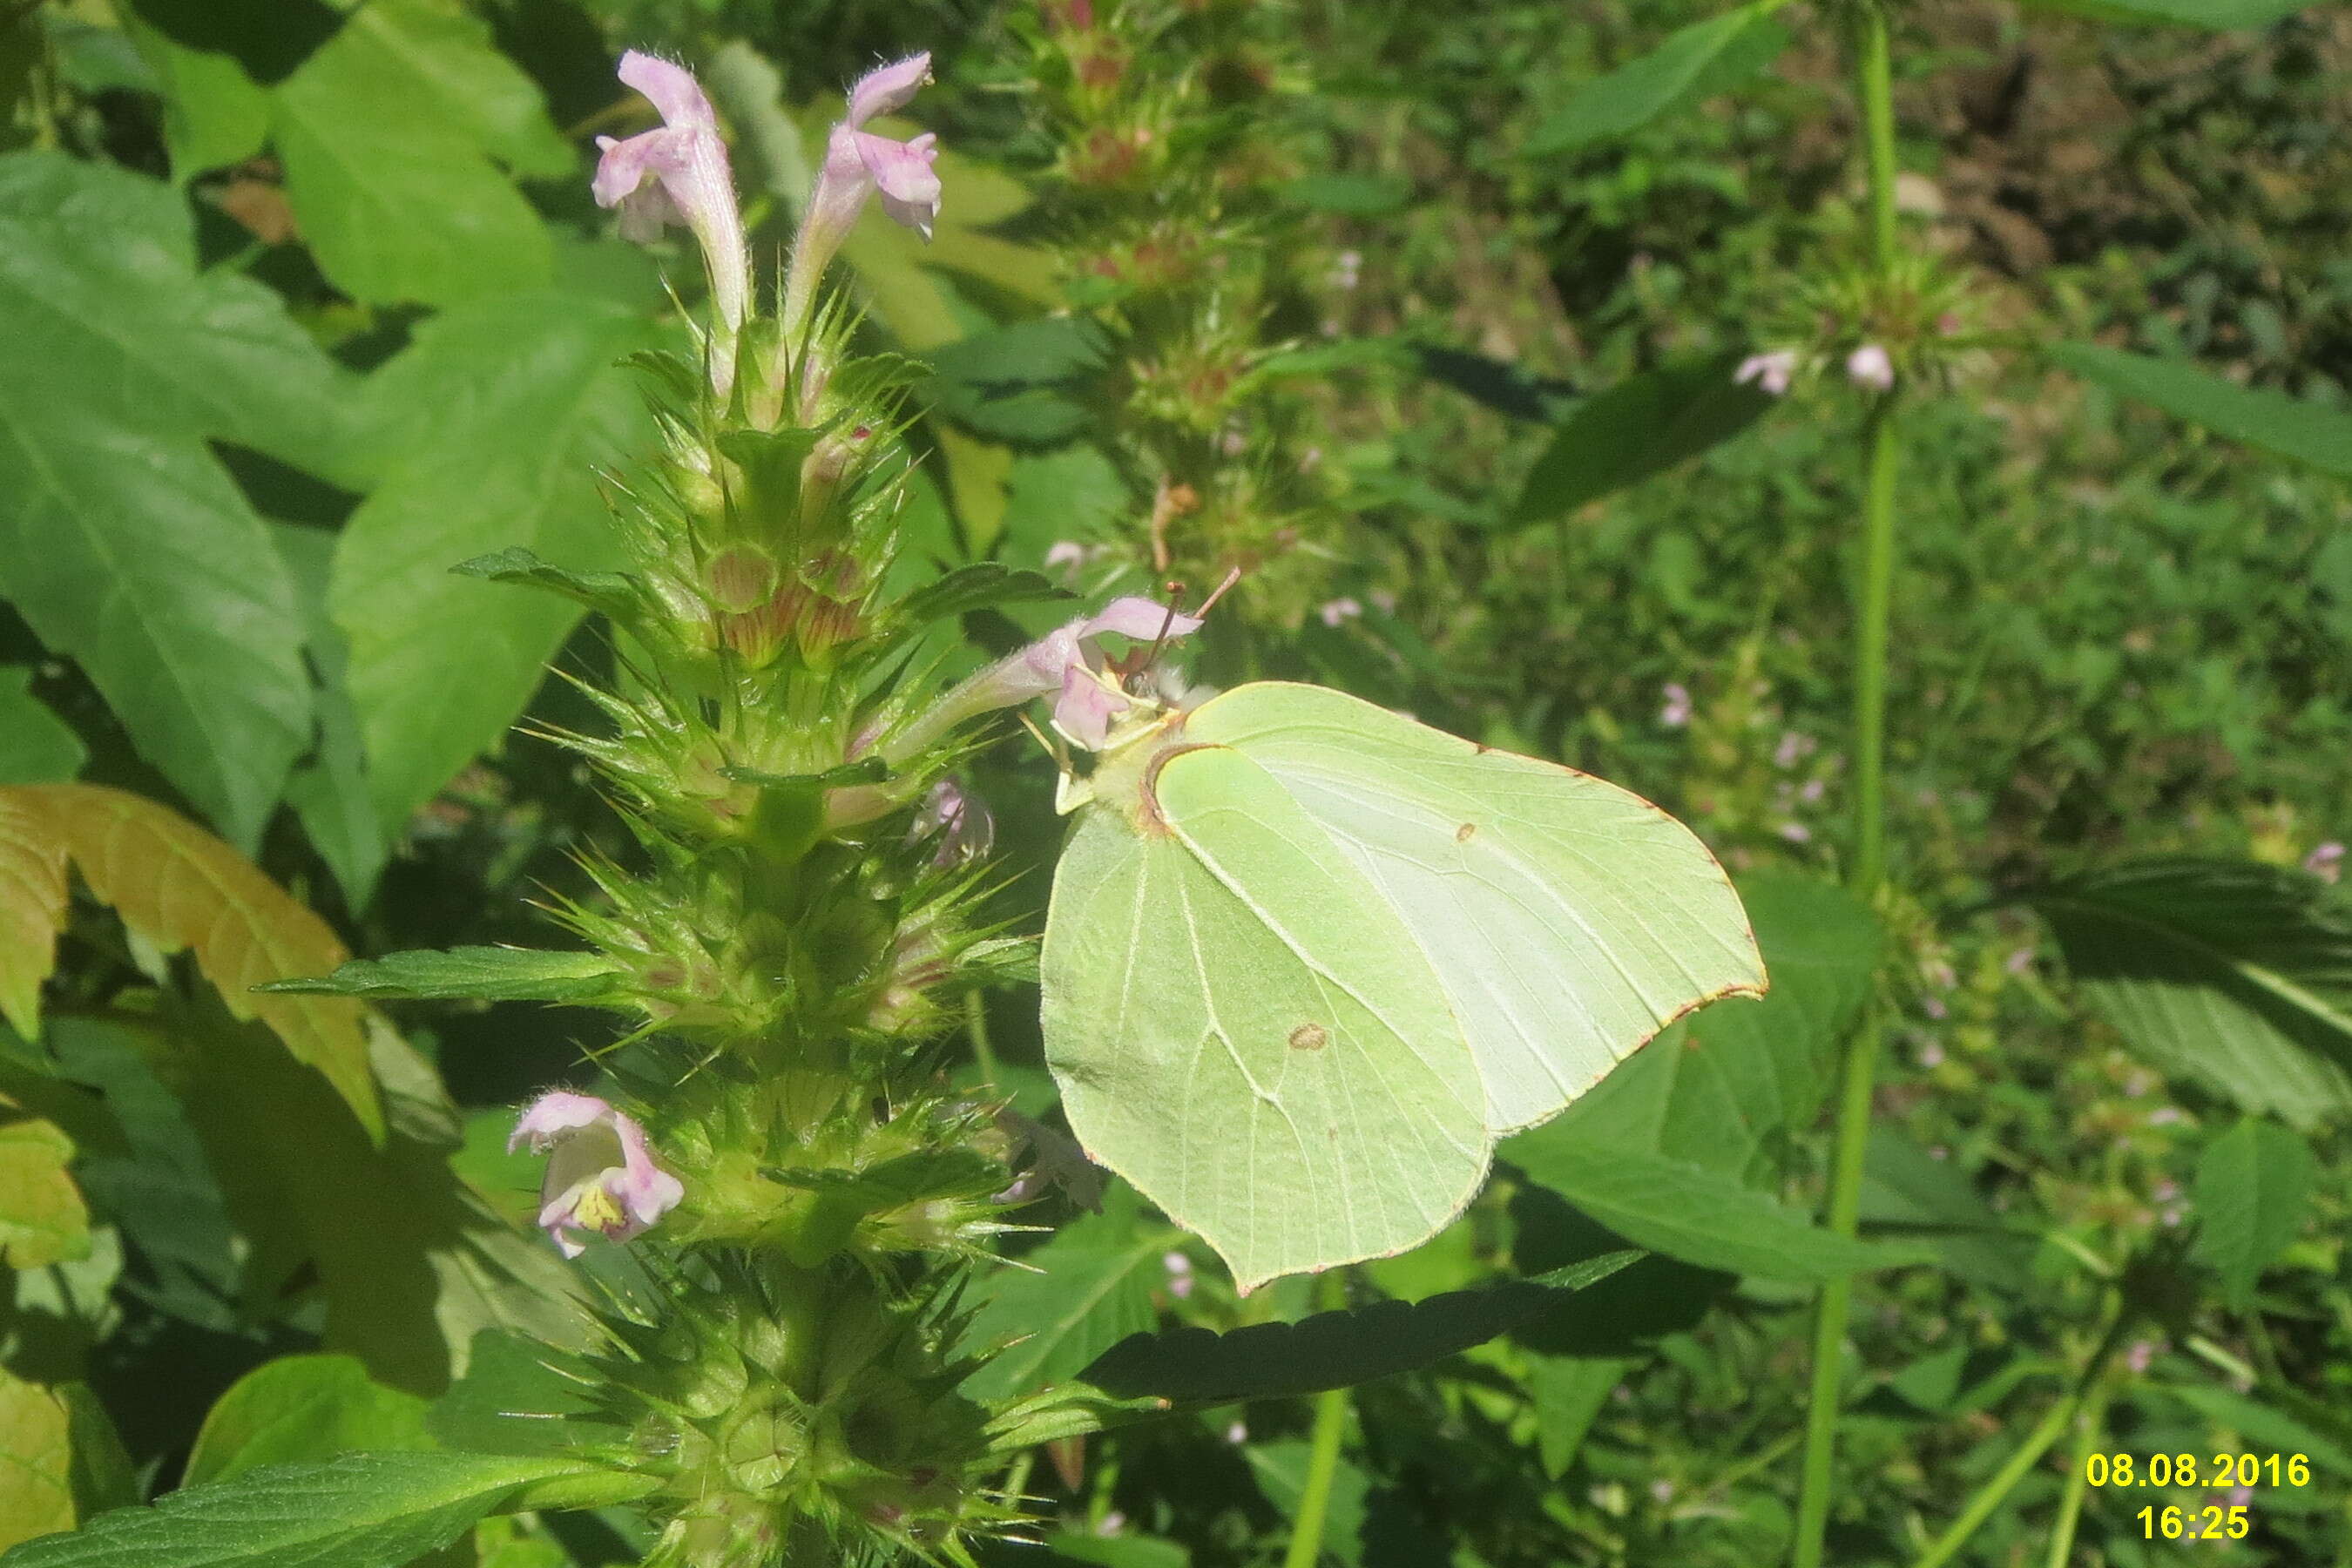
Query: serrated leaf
(329, 791)
(1706, 57)
(467, 974)
(2232, 973)
(976, 587)
(362, 1511)
(2288, 427)
(179, 887)
(614, 595)
(302, 1409)
(123, 542)
(387, 133)
(1691, 1212)
(1071, 1300)
(1334, 1350)
(1643, 426)
(486, 431)
(42, 1217)
(33, 895)
(2253, 1185)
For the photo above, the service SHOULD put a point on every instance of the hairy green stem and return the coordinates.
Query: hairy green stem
(1322, 1455)
(1873, 78)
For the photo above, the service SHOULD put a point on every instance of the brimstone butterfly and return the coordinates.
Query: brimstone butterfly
(1308, 959)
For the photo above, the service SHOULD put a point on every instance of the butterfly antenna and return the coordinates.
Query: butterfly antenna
(1232, 577)
(1167, 624)
(1053, 747)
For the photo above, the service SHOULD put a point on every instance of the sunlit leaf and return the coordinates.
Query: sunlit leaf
(36, 1462)
(179, 887)
(362, 1511)
(2254, 1184)
(35, 745)
(42, 1217)
(2275, 422)
(469, 973)
(1091, 1286)
(33, 892)
(302, 1408)
(1706, 57)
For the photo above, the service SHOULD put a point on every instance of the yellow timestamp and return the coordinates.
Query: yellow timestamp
(2188, 1471)
(2211, 1522)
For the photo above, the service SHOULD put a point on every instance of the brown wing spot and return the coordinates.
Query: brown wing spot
(1462, 834)
(1308, 1038)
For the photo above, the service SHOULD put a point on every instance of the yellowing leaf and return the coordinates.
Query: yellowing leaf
(179, 887)
(32, 908)
(42, 1217)
(36, 1462)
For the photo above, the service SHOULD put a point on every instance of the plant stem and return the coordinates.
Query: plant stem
(1322, 1455)
(2087, 1432)
(2037, 1443)
(1873, 78)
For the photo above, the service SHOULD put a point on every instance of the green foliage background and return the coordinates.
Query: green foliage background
(302, 304)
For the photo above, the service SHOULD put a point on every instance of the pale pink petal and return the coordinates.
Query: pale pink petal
(1085, 708)
(1140, 618)
(1869, 368)
(1771, 372)
(672, 89)
(645, 1190)
(557, 1111)
(902, 172)
(886, 90)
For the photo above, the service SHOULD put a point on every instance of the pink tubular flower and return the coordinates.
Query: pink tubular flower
(859, 163)
(678, 173)
(1067, 663)
(2327, 862)
(959, 819)
(601, 1177)
(1771, 372)
(1869, 368)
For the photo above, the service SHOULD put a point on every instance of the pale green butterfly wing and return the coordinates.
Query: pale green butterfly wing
(1242, 1029)
(1569, 920)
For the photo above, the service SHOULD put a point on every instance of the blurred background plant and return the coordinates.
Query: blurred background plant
(1413, 314)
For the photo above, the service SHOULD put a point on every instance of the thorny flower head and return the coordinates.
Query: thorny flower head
(600, 1177)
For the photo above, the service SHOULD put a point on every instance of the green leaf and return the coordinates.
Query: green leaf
(1047, 350)
(1703, 59)
(387, 134)
(122, 541)
(299, 1408)
(362, 1511)
(1643, 426)
(2219, 14)
(35, 1461)
(35, 745)
(1351, 195)
(214, 113)
(42, 1217)
(519, 1396)
(2254, 1186)
(1071, 1300)
(1690, 1212)
(1908, 1193)
(329, 791)
(1281, 1470)
(1566, 1392)
(1333, 1350)
(2232, 973)
(1727, 1087)
(470, 973)
(486, 431)
(975, 587)
(614, 595)
(2263, 1427)
(2273, 422)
